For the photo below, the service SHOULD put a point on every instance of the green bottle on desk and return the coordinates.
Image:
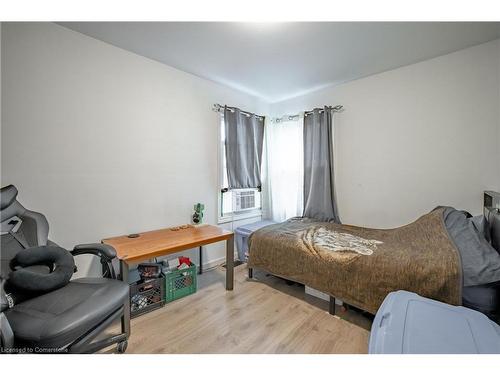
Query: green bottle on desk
(198, 213)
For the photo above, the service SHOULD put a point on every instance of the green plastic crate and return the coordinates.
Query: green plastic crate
(180, 283)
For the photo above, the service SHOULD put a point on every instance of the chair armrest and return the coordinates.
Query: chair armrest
(99, 249)
(6, 334)
(4, 301)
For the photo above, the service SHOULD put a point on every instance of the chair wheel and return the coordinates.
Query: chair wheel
(122, 346)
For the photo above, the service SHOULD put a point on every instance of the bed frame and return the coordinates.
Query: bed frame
(331, 303)
(491, 200)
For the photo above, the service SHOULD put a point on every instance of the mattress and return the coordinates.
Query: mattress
(359, 265)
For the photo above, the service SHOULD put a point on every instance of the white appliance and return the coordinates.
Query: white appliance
(245, 199)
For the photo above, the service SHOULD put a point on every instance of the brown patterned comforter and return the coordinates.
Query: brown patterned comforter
(359, 265)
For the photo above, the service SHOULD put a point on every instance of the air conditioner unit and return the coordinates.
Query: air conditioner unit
(244, 200)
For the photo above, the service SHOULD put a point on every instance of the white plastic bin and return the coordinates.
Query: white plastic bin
(243, 232)
(409, 324)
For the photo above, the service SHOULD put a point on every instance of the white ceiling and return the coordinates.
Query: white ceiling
(276, 61)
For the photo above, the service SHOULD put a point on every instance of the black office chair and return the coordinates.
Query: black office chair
(72, 318)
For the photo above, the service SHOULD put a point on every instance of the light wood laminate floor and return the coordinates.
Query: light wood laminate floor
(264, 316)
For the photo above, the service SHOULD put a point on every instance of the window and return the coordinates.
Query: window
(238, 203)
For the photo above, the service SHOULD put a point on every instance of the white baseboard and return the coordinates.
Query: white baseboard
(214, 263)
(217, 262)
(321, 295)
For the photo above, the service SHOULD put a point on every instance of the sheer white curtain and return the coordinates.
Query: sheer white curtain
(283, 175)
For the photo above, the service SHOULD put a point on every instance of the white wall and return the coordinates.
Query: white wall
(106, 142)
(415, 137)
(103, 141)
(498, 106)
(0, 94)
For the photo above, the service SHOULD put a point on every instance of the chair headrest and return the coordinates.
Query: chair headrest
(8, 195)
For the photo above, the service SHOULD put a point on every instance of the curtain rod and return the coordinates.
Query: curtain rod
(220, 108)
(334, 109)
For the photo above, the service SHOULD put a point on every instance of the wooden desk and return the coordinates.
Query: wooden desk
(167, 241)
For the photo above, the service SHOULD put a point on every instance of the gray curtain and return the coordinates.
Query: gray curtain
(244, 139)
(319, 184)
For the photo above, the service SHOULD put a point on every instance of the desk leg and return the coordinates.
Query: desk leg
(229, 263)
(200, 268)
(125, 320)
(124, 271)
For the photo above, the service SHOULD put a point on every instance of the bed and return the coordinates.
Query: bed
(444, 255)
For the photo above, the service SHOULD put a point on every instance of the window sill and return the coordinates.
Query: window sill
(236, 217)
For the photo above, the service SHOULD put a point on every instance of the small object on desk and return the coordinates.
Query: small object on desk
(198, 213)
(133, 235)
(183, 226)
